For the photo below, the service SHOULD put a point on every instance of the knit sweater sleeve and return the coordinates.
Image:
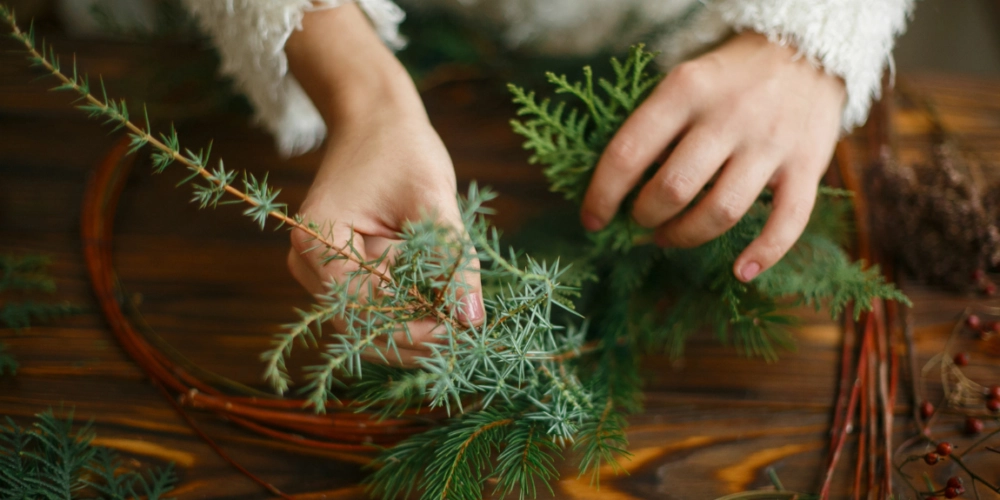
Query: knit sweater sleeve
(250, 36)
(852, 39)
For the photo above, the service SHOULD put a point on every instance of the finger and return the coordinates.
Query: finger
(794, 198)
(303, 273)
(406, 347)
(641, 139)
(736, 189)
(689, 167)
(463, 287)
(401, 358)
(340, 263)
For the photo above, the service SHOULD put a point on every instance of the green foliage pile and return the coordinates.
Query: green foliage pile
(567, 138)
(51, 461)
(22, 276)
(554, 369)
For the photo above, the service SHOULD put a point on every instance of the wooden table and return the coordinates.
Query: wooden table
(214, 286)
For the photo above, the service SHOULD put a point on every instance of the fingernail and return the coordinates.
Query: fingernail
(750, 271)
(591, 222)
(471, 311)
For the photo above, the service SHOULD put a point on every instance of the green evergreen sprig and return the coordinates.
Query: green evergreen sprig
(51, 461)
(26, 275)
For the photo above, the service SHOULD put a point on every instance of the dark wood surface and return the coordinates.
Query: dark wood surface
(215, 287)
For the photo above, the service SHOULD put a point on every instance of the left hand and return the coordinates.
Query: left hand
(751, 113)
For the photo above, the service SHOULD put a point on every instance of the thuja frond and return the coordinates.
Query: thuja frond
(52, 461)
(568, 137)
(569, 143)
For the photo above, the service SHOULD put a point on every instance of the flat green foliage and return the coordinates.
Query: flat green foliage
(52, 461)
(24, 276)
(554, 368)
(666, 295)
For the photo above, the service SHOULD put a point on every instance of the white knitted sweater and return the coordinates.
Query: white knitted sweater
(852, 39)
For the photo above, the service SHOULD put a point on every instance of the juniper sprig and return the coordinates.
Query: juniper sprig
(554, 369)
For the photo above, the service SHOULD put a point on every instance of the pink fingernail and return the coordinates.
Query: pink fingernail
(471, 311)
(591, 222)
(750, 271)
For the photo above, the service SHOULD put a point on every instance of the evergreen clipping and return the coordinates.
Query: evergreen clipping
(51, 461)
(25, 275)
(554, 369)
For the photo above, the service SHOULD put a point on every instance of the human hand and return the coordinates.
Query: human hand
(750, 113)
(384, 165)
(376, 175)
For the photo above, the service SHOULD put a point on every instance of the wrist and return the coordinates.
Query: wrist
(347, 71)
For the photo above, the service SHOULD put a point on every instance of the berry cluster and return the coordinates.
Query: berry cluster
(954, 487)
(984, 330)
(983, 283)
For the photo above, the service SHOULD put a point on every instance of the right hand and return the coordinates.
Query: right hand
(378, 173)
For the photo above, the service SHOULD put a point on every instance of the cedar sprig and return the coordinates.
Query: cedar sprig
(664, 296)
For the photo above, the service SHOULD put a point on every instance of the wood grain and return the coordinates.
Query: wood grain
(216, 288)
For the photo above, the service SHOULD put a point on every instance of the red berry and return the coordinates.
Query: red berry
(990, 289)
(926, 409)
(973, 322)
(951, 492)
(978, 275)
(944, 449)
(973, 426)
(993, 392)
(993, 326)
(931, 458)
(993, 404)
(961, 359)
(955, 482)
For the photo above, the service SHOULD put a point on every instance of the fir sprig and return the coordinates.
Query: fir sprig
(23, 276)
(52, 461)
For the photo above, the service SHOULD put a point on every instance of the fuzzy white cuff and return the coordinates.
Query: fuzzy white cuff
(250, 36)
(852, 39)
